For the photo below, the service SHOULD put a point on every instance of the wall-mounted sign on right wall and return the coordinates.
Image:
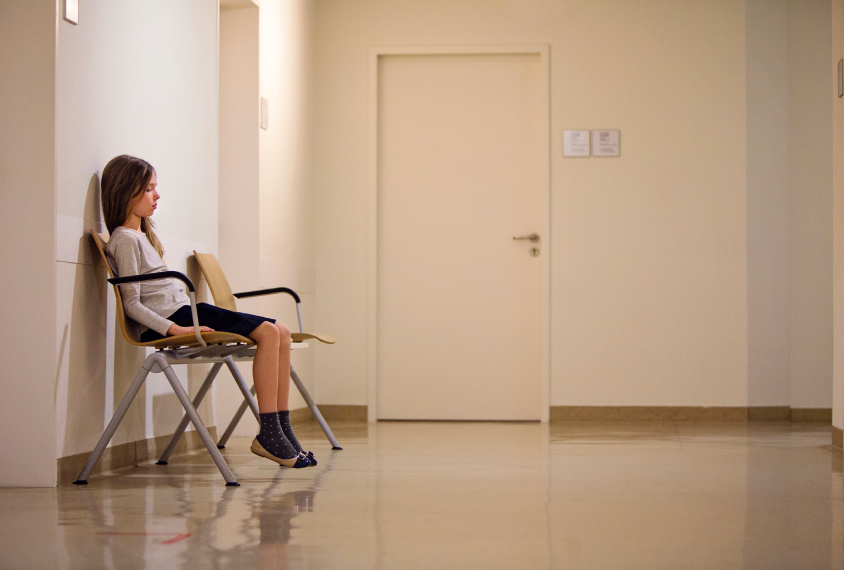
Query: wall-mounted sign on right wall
(576, 143)
(605, 143)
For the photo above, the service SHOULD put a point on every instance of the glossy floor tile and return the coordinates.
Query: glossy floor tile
(460, 495)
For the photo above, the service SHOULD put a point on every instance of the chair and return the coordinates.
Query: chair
(216, 348)
(225, 299)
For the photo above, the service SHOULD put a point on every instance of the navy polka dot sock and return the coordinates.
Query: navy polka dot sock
(272, 438)
(284, 421)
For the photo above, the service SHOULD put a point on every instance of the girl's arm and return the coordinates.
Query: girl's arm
(127, 261)
(176, 330)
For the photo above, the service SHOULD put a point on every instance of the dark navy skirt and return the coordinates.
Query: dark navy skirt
(212, 316)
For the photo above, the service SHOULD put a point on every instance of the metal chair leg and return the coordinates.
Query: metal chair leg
(148, 366)
(235, 420)
(197, 423)
(314, 409)
(241, 383)
(180, 429)
(248, 401)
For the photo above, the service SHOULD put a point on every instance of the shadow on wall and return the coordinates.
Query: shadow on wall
(83, 339)
(91, 372)
(96, 365)
(86, 375)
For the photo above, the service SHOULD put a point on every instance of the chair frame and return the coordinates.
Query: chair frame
(215, 348)
(249, 402)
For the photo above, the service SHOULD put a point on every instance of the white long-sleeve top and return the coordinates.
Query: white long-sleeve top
(148, 303)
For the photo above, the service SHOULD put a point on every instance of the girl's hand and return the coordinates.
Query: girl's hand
(175, 330)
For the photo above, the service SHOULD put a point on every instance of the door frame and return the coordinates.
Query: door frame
(375, 55)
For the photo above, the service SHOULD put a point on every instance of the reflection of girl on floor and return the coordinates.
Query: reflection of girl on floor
(130, 197)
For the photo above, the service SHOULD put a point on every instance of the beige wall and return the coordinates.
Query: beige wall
(649, 263)
(694, 270)
(286, 215)
(28, 286)
(266, 191)
(139, 79)
(789, 196)
(238, 199)
(768, 198)
(648, 250)
(143, 80)
(810, 180)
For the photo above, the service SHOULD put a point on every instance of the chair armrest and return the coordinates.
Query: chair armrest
(164, 275)
(273, 291)
(262, 292)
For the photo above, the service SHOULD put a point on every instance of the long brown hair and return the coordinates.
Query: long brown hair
(124, 179)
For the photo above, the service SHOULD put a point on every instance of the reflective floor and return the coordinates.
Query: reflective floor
(460, 495)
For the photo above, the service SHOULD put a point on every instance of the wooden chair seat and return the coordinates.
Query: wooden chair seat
(189, 340)
(299, 337)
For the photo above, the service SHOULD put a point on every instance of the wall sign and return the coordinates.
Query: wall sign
(605, 143)
(71, 11)
(575, 143)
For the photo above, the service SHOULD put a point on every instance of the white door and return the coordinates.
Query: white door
(462, 169)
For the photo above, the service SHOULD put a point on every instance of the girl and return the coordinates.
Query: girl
(130, 196)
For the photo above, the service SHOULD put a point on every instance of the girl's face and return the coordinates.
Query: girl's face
(146, 204)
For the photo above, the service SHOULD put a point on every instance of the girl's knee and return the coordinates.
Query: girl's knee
(266, 333)
(283, 333)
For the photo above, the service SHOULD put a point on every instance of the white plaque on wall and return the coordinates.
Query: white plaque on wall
(605, 143)
(71, 11)
(575, 143)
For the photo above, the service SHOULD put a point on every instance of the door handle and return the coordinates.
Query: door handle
(533, 238)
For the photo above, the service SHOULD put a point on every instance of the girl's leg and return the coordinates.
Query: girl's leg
(271, 441)
(283, 401)
(265, 366)
(283, 378)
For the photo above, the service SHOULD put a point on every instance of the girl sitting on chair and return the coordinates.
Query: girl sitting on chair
(129, 198)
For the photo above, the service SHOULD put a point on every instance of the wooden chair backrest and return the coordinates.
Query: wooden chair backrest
(216, 279)
(130, 333)
(222, 292)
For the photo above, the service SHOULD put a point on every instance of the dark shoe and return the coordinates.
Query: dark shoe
(296, 462)
(309, 455)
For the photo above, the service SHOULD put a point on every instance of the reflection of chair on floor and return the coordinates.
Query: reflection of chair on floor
(216, 348)
(224, 298)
